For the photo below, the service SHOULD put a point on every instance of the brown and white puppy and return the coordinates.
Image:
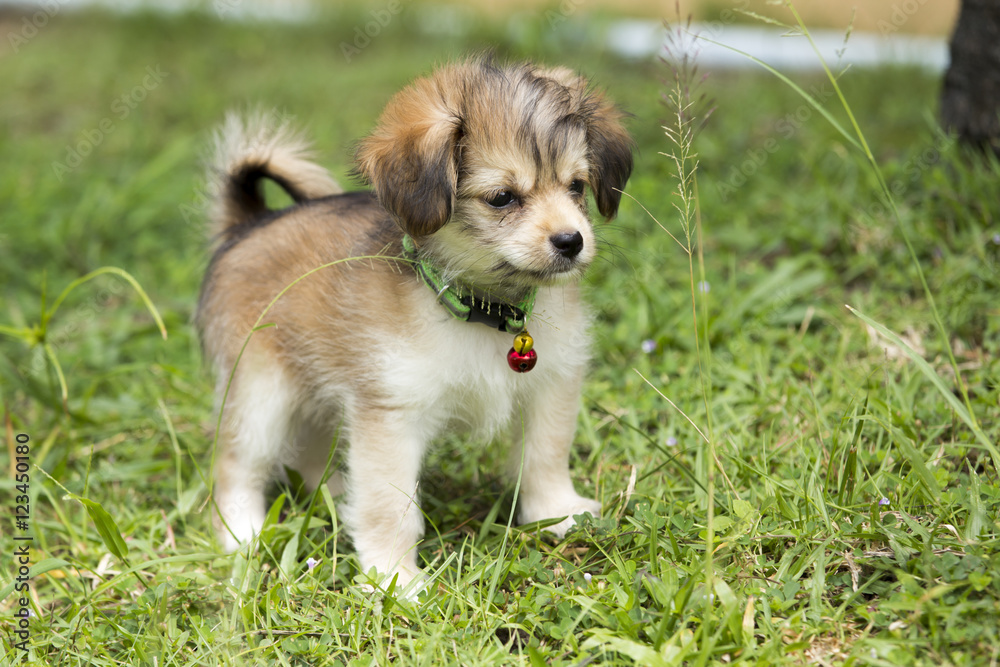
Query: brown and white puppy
(485, 166)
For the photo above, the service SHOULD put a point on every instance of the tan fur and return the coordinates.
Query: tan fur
(361, 349)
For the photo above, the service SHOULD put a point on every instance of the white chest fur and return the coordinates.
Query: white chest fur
(456, 373)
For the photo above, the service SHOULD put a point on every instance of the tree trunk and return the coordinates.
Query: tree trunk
(970, 98)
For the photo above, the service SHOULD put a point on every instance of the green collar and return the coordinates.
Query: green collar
(463, 304)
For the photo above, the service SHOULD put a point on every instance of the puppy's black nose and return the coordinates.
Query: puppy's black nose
(567, 244)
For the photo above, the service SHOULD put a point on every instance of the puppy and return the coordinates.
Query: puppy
(413, 309)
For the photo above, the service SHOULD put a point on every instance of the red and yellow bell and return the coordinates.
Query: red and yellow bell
(522, 357)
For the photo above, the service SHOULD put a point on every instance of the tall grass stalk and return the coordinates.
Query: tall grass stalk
(38, 334)
(903, 231)
(689, 113)
(858, 140)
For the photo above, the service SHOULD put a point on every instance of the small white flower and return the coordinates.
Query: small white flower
(587, 577)
(704, 287)
(311, 563)
(649, 346)
(996, 239)
(883, 502)
(671, 442)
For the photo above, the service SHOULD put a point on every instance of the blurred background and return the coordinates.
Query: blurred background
(935, 17)
(108, 108)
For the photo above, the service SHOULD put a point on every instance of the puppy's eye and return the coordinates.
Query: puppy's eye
(500, 199)
(576, 187)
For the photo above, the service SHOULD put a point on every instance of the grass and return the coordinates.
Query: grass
(854, 512)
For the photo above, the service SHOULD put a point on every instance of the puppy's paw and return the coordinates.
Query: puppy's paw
(237, 536)
(408, 584)
(239, 520)
(566, 507)
(411, 590)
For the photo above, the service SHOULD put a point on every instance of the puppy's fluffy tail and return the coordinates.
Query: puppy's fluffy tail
(249, 150)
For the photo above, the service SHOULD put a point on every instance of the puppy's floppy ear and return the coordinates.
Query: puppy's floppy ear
(411, 157)
(610, 152)
(609, 145)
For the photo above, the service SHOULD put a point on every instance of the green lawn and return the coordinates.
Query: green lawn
(848, 492)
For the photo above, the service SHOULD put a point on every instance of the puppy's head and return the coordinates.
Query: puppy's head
(487, 166)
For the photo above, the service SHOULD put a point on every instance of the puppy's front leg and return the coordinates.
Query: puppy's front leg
(382, 515)
(542, 447)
